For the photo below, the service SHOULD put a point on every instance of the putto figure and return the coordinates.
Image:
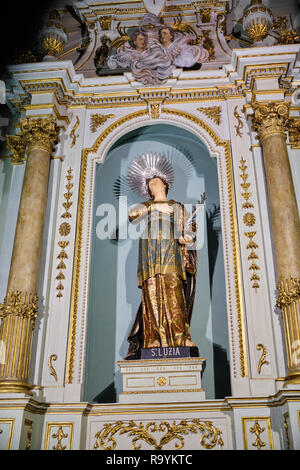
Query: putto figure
(130, 52)
(166, 269)
(154, 51)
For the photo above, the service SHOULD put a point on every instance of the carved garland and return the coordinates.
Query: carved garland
(64, 230)
(249, 221)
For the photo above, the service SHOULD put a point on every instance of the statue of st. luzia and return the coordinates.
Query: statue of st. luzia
(167, 262)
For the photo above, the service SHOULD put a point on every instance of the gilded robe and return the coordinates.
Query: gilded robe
(166, 274)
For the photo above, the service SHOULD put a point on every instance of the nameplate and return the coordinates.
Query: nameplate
(170, 352)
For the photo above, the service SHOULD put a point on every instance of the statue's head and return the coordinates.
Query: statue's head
(157, 184)
(166, 34)
(139, 41)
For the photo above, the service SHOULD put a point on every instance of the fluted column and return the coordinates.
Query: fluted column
(270, 120)
(19, 309)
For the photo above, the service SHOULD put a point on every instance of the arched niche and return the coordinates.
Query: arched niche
(113, 294)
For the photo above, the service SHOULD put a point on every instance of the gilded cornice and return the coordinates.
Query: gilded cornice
(233, 81)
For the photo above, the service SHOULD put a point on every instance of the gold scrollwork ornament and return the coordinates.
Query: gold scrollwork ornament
(262, 359)
(240, 124)
(213, 113)
(211, 436)
(53, 357)
(72, 133)
(257, 430)
(59, 435)
(98, 119)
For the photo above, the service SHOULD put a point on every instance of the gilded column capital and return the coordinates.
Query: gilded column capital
(270, 118)
(40, 133)
(294, 132)
(20, 304)
(288, 292)
(16, 145)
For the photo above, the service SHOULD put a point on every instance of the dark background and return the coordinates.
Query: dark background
(20, 23)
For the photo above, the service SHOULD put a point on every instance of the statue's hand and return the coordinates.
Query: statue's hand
(186, 240)
(203, 198)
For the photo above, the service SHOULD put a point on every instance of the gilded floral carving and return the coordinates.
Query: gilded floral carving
(270, 118)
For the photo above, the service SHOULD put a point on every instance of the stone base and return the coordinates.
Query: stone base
(162, 380)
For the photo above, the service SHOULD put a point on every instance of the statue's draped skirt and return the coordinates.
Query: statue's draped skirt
(164, 311)
(163, 317)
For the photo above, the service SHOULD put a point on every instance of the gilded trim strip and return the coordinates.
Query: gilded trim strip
(11, 430)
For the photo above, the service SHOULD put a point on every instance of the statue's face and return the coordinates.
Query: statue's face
(156, 185)
(140, 42)
(165, 36)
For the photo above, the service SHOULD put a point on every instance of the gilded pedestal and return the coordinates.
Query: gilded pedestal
(270, 121)
(19, 309)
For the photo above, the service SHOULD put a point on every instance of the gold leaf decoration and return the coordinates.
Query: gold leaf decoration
(98, 119)
(64, 230)
(213, 113)
(16, 144)
(161, 381)
(67, 204)
(59, 435)
(106, 437)
(72, 133)
(262, 359)
(249, 220)
(21, 304)
(288, 292)
(257, 430)
(240, 124)
(51, 358)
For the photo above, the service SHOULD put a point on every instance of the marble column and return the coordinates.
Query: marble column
(271, 120)
(19, 310)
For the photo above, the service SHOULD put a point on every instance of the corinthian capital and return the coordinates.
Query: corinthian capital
(294, 132)
(16, 145)
(40, 132)
(270, 118)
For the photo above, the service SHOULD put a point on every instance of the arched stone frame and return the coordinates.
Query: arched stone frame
(79, 301)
